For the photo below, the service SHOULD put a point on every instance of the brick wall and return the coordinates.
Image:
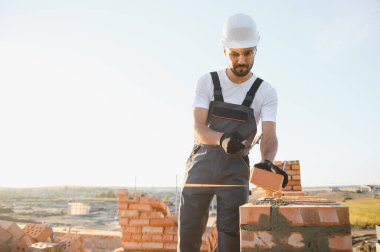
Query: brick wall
(148, 225)
(295, 226)
(294, 222)
(293, 170)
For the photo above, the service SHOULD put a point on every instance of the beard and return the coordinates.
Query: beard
(241, 70)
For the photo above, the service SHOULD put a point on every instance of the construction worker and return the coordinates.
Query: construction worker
(227, 107)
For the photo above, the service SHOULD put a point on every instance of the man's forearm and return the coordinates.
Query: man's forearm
(268, 147)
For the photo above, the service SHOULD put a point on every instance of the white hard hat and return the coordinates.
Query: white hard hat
(240, 31)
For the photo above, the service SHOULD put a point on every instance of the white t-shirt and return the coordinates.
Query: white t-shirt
(264, 105)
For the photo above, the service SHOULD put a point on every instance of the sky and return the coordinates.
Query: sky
(100, 92)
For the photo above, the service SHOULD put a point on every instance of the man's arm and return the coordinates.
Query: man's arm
(202, 133)
(269, 143)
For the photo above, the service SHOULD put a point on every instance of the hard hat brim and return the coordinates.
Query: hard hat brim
(240, 44)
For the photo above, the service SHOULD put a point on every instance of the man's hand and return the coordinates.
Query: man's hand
(231, 142)
(269, 166)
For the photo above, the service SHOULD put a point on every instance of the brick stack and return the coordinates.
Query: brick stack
(309, 225)
(13, 238)
(147, 225)
(34, 238)
(294, 174)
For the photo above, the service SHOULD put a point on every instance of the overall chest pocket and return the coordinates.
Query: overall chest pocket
(229, 114)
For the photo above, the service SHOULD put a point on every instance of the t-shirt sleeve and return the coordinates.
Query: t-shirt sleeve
(269, 107)
(203, 95)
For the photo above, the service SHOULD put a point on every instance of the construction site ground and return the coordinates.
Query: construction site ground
(52, 210)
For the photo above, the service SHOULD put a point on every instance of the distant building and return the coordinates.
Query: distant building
(370, 188)
(77, 208)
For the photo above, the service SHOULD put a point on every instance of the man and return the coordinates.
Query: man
(227, 107)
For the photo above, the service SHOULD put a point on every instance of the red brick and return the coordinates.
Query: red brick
(146, 237)
(4, 235)
(294, 183)
(12, 228)
(72, 244)
(19, 246)
(292, 198)
(328, 216)
(293, 214)
(293, 193)
(131, 229)
(136, 237)
(141, 207)
(311, 215)
(38, 232)
(296, 177)
(126, 236)
(293, 162)
(4, 247)
(167, 237)
(267, 180)
(153, 230)
(152, 245)
(293, 172)
(138, 222)
(132, 245)
(256, 239)
(151, 215)
(295, 167)
(163, 222)
(128, 199)
(156, 203)
(129, 213)
(251, 214)
(170, 246)
(340, 242)
(343, 215)
(157, 237)
(297, 188)
(28, 240)
(171, 230)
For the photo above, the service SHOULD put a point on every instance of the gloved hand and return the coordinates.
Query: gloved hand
(269, 166)
(231, 142)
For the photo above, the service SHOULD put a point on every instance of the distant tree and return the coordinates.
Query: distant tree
(108, 194)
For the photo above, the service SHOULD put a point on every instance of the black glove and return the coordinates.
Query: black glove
(269, 166)
(231, 142)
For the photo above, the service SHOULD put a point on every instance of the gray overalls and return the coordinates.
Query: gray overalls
(210, 164)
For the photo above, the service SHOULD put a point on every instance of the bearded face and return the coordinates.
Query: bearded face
(240, 60)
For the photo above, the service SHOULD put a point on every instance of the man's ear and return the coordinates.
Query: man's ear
(224, 50)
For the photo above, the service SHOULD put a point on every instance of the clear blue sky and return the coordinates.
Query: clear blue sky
(98, 92)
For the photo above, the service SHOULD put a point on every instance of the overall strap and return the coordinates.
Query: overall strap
(252, 92)
(218, 96)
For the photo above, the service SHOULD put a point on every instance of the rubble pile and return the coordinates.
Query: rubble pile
(34, 238)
